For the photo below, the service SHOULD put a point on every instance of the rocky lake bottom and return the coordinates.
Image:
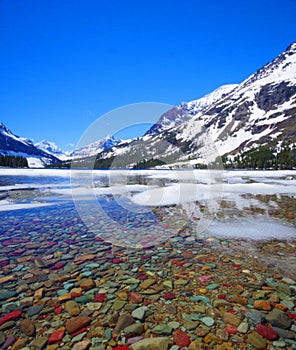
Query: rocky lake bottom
(71, 283)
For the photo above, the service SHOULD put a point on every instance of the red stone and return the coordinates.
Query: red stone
(17, 252)
(238, 266)
(42, 330)
(181, 338)
(7, 242)
(203, 279)
(266, 332)
(292, 316)
(4, 263)
(123, 347)
(226, 284)
(57, 266)
(178, 263)
(51, 243)
(78, 332)
(135, 298)
(76, 295)
(76, 323)
(187, 253)
(100, 297)
(221, 296)
(231, 329)
(11, 316)
(142, 277)
(169, 295)
(70, 242)
(56, 336)
(145, 257)
(117, 261)
(58, 310)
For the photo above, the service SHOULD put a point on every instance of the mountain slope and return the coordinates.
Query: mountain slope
(186, 110)
(96, 147)
(53, 149)
(11, 144)
(260, 111)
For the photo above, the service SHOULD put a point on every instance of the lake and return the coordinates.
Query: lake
(188, 253)
(129, 206)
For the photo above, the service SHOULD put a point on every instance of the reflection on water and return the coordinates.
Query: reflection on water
(140, 207)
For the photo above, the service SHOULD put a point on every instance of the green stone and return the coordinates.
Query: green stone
(61, 292)
(174, 324)
(202, 298)
(83, 299)
(108, 334)
(94, 306)
(200, 308)
(162, 329)
(86, 273)
(118, 305)
(168, 284)
(78, 337)
(132, 281)
(279, 344)
(6, 294)
(180, 282)
(39, 342)
(257, 341)
(208, 321)
(212, 286)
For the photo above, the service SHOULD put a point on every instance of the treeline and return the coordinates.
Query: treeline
(148, 163)
(13, 161)
(263, 157)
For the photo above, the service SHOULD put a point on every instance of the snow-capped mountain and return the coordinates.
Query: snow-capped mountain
(96, 147)
(186, 110)
(53, 149)
(13, 145)
(259, 111)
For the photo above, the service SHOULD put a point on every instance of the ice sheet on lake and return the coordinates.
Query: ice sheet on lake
(250, 229)
(166, 188)
(6, 205)
(180, 193)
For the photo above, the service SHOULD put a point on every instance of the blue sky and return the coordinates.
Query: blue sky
(64, 63)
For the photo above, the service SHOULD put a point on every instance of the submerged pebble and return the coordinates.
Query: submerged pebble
(63, 287)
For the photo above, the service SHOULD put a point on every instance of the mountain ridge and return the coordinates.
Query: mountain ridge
(258, 112)
(233, 119)
(13, 145)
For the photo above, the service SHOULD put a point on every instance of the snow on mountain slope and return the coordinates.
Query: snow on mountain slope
(96, 147)
(13, 145)
(259, 111)
(259, 108)
(53, 149)
(185, 110)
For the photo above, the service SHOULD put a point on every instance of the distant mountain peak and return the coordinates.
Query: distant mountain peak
(96, 147)
(51, 148)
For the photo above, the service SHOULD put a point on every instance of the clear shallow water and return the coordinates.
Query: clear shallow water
(140, 208)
